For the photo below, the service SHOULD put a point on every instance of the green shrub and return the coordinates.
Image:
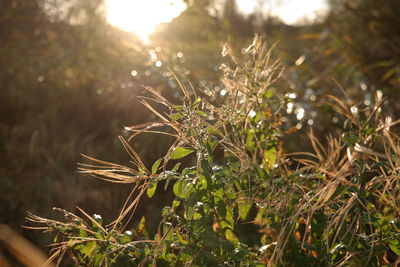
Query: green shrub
(242, 201)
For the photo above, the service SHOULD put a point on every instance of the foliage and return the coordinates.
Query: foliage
(336, 206)
(67, 88)
(368, 38)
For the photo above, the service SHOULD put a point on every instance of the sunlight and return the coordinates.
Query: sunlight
(142, 16)
(292, 12)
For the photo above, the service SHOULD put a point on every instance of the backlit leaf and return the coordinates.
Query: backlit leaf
(181, 152)
(155, 166)
(244, 210)
(151, 189)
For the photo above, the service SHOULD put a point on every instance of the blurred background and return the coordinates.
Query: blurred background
(70, 71)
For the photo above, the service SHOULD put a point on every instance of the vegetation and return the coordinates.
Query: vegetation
(336, 206)
(235, 160)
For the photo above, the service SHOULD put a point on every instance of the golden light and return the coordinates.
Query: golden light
(142, 16)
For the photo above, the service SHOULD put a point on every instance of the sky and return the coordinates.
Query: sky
(290, 11)
(143, 16)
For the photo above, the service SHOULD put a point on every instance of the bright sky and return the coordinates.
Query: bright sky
(291, 11)
(142, 16)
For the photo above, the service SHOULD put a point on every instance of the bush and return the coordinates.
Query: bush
(242, 201)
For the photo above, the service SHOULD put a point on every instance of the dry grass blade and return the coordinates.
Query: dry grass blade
(146, 128)
(112, 176)
(388, 125)
(107, 164)
(147, 105)
(158, 97)
(135, 156)
(342, 89)
(181, 86)
(317, 146)
(369, 151)
(91, 219)
(111, 172)
(132, 207)
(343, 109)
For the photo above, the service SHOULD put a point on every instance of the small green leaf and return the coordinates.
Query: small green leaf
(231, 236)
(250, 142)
(140, 227)
(177, 116)
(269, 158)
(167, 184)
(202, 113)
(180, 238)
(395, 246)
(229, 216)
(229, 194)
(350, 138)
(181, 152)
(178, 188)
(155, 166)
(268, 93)
(197, 101)
(151, 189)
(123, 239)
(182, 188)
(176, 167)
(88, 248)
(98, 257)
(244, 210)
(379, 164)
(175, 204)
(82, 233)
(178, 107)
(141, 170)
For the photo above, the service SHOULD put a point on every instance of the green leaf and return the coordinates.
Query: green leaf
(88, 248)
(167, 231)
(229, 194)
(124, 239)
(82, 233)
(395, 246)
(268, 93)
(155, 166)
(141, 225)
(182, 188)
(231, 236)
(178, 107)
(151, 189)
(244, 210)
(269, 158)
(167, 184)
(379, 164)
(250, 142)
(181, 152)
(180, 238)
(98, 257)
(175, 204)
(178, 188)
(176, 167)
(177, 116)
(202, 113)
(197, 101)
(350, 138)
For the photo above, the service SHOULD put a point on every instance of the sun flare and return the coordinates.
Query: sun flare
(142, 16)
